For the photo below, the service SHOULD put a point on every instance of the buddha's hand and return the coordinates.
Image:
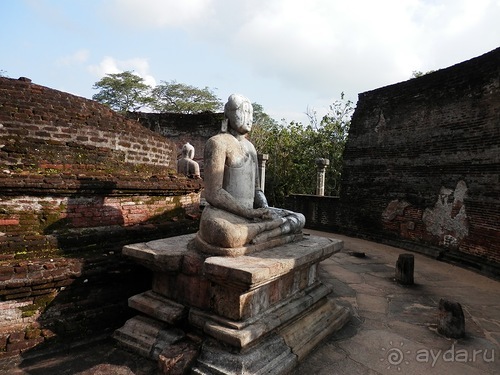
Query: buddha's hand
(262, 213)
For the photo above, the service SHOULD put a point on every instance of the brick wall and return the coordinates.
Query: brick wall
(182, 128)
(49, 301)
(77, 182)
(422, 163)
(321, 212)
(49, 215)
(42, 128)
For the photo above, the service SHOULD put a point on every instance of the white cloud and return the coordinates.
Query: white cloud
(110, 65)
(78, 57)
(323, 47)
(317, 45)
(159, 13)
(358, 45)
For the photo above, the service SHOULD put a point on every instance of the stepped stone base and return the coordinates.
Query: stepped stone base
(257, 313)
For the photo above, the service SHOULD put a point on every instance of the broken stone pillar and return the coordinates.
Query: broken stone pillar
(320, 184)
(405, 268)
(262, 158)
(451, 319)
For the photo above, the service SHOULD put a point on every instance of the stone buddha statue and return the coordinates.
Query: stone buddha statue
(186, 165)
(237, 215)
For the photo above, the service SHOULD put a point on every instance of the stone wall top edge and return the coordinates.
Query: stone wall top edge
(491, 58)
(85, 110)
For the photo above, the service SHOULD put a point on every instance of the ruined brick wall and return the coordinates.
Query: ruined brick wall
(77, 182)
(48, 301)
(422, 163)
(56, 214)
(182, 128)
(321, 212)
(42, 128)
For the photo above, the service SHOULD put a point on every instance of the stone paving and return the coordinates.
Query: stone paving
(392, 330)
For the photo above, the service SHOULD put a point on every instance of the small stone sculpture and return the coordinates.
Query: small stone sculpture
(186, 165)
(238, 214)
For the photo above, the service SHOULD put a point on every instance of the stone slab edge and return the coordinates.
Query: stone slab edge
(251, 271)
(242, 334)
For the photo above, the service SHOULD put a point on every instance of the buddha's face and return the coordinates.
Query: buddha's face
(241, 119)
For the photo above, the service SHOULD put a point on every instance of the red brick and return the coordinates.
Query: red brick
(9, 221)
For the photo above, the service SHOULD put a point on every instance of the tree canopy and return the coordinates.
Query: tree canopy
(418, 73)
(123, 92)
(181, 98)
(128, 92)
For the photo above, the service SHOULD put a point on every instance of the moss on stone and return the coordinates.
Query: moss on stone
(39, 303)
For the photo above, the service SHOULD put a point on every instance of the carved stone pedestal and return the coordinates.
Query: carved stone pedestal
(257, 313)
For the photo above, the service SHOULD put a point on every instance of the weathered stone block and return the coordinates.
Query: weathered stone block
(177, 359)
(451, 321)
(273, 356)
(405, 266)
(165, 255)
(156, 306)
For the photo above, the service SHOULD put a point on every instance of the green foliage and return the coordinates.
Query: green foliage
(260, 118)
(123, 91)
(128, 92)
(181, 98)
(417, 73)
(293, 149)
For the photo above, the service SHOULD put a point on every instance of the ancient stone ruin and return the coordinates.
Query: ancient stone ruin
(245, 285)
(77, 182)
(421, 166)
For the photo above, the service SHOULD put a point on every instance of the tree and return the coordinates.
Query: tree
(261, 118)
(293, 149)
(332, 137)
(181, 98)
(123, 91)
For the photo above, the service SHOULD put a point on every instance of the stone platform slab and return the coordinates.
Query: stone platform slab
(251, 271)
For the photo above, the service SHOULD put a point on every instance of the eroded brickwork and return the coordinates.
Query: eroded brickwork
(42, 128)
(422, 162)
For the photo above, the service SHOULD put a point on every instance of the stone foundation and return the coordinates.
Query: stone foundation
(258, 313)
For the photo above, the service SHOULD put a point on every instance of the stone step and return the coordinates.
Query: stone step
(306, 332)
(138, 334)
(271, 357)
(146, 336)
(158, 307)
(243, 333)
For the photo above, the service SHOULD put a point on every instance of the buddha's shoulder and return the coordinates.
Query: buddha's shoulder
(221, 138)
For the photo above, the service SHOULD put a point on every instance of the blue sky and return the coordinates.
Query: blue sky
(287, 55)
